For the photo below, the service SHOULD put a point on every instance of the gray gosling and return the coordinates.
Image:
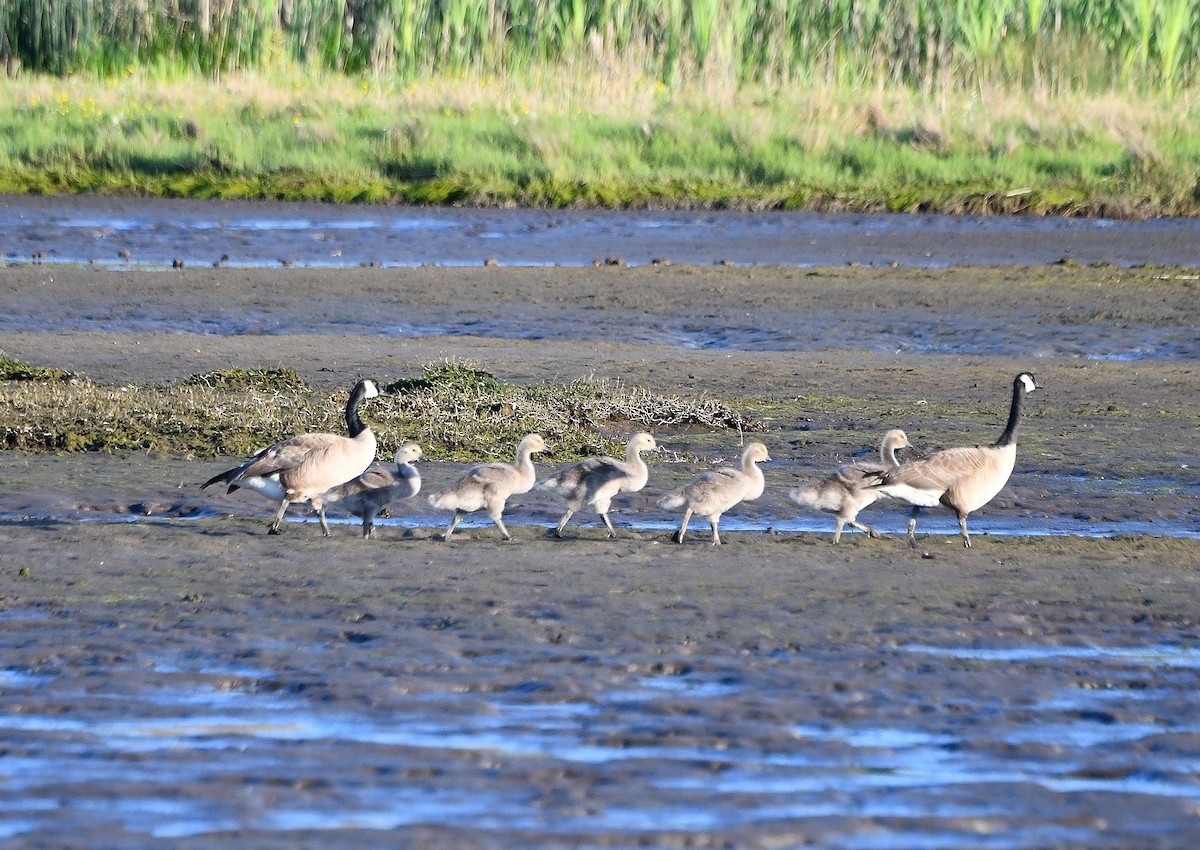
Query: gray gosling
(597, 480)
(845, 492)
(305, 467)
(489, 485)
(379, 485)
(718, 490)
(963, 479)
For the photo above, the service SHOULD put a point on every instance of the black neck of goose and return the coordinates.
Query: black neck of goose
(1014, 414)
(354, 424)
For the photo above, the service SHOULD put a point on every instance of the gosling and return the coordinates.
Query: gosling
(845, 492)
(489, 485)
(718, 490)
(379, 486)
(597, 480)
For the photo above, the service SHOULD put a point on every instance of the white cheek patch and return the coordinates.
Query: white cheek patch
(1030, 384)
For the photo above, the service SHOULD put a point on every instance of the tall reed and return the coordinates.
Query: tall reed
(1067, 45)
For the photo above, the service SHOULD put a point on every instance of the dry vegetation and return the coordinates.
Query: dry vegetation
(457, 411)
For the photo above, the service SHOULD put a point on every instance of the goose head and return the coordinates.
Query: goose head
(408, 453)
(896, 439)
(642, 442)
(754, 453)
(531, 443)
(366, 388)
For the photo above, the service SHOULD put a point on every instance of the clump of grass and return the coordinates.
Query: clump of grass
(183, 420)
(458, 411)
(17, 370)
(462, 412)
(448, 377)
(239, 379)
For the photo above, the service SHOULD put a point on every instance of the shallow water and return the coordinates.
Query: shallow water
(932, 524)
(1042, 505)
(156, 233)
(155, 765)
(153, 232)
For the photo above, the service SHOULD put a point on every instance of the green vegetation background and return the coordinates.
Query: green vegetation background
(1024, 106)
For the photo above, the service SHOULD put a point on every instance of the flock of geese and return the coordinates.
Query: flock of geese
(340, 472)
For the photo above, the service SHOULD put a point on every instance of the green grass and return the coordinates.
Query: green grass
(593, 142)
(17, 370)
(1015, 106)
(456, 411)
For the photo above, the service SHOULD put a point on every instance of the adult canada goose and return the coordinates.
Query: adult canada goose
(489, 485)
(597, 480)
(378, 486)
(845, 492)
(302, 468)
(718, 490)
(963, 479)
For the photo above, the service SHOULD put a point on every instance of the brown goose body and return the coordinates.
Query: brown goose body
(963, 479)
(846, 491)
(597, 480)
(488, 486)
(304, 467)
(718, 490)
(378, 486)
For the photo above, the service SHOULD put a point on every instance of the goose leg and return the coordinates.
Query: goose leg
(962, 525)
(714, 521)
(868, 530)
(687, 516)
(496, 512)
(912, 526)
(273, 528)
(562, 523)
(324, 525)
(458, 515)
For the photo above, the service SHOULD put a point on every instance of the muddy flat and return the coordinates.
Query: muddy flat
(141, 231)
(171, 673)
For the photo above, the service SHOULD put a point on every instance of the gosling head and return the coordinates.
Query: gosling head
(642, 442)
(756, 452)
(408, 453)
(532, 443)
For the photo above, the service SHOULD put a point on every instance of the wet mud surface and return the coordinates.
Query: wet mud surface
(172, 674)
(204, 684)
(1103, 313)
(158, 232)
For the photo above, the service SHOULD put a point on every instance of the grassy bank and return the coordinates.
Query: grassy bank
(585, 139)
(1019, 106)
